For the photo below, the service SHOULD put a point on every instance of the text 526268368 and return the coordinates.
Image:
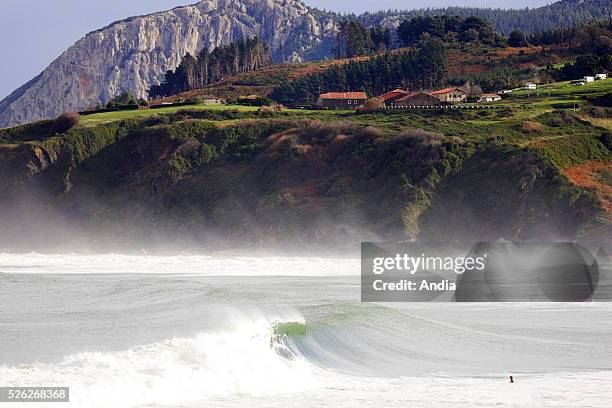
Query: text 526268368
(34, 394)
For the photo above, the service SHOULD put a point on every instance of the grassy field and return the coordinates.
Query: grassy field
(107, 117)
(566, 88)
(562, 92)
(528, 104)
(560, 95)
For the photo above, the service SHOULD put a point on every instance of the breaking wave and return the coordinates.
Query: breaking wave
(344, 346)
(242, 361)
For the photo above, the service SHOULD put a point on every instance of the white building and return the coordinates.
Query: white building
(530, 85)
(210, 100)
(601, 76)
(588, 79)
(489, 98)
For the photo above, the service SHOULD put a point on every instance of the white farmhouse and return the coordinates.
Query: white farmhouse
(530, 85)
(600, 76)
(490, 98)
(588, 79)
(210, 100)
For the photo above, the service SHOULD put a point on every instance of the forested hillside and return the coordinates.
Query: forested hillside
(209, 67)
(439, 55)
(421, 67)
(588, 35)
(565, 13)
(450, 29)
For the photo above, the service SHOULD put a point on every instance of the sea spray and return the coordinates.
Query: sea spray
(174, 371)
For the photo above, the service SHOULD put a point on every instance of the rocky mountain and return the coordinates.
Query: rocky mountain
(134, 54)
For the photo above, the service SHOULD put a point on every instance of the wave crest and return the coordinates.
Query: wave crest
(174, 371)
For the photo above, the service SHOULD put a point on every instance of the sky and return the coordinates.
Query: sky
(35, 32)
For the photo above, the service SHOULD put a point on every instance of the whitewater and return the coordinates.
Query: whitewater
(205, 331)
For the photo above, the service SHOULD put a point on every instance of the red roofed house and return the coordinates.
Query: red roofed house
(451, 95)
(418, 99)
(342, 100)
(390, 97)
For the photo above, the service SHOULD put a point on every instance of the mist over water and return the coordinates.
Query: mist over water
(177, 264)
(199, 331)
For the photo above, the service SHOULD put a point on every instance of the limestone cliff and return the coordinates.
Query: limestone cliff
(136, 52)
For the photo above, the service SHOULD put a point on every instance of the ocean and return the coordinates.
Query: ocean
(198, 331)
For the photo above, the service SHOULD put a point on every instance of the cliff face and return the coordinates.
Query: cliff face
(135, 53)
(228, 180)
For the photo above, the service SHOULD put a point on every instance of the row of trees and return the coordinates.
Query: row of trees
(594, 37)
(583, 66)
(423, 67)
(506, 75)
(209, 67)
(125, 98)
(355, 39)
(449, 29)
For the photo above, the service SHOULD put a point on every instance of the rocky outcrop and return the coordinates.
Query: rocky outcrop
(135, 53)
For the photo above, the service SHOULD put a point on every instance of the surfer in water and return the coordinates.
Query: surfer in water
(511, 380)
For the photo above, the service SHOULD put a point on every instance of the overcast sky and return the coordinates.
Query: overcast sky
(34, 32)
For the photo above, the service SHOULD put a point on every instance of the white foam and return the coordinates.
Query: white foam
(183, 264)
(239, 368)
(175, 371)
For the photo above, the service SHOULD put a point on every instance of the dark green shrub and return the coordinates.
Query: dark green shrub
(606, 139)
(177, 166)
(156, 120)
(603, 100)
(206, 154)
(31, 131)
(255, 101)
(65, 122)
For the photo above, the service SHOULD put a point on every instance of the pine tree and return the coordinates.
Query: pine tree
(517, 39)
(242, 56)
